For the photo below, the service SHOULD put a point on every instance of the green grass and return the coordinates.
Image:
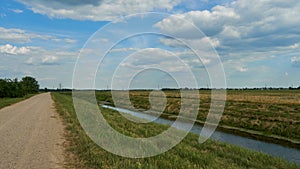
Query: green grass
(271, 112)
(9, 101)
(188, 154)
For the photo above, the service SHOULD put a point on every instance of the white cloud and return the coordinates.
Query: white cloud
(147, 59)
(206, 61)
(242, 69)
(155, 57)
(210, 23)
(14, 50)
(43, 60)
(149, 56)
(123, 49)
(71, 41)
(36, 55)
(30, 61)
(105, 10)
(17, 10)
(256, 24)
(12, 35)
(204, 43)
(294, 46)
(243, 32)
(56, 40)
(49, 59)
(41, 56)
(295, 61)
(19, 35)
(231, 32)
(104, 40)
(171, 42)
(197, 53)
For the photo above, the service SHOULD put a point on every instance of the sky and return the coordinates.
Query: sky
(151, 43)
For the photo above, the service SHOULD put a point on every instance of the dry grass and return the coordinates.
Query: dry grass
(187, 154)
(269, 111)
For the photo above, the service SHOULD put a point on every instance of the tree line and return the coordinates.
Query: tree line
(15, 88)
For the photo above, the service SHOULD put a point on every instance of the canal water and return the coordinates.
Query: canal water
(289, 154)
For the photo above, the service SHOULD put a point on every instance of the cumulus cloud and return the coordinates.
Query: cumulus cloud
(148, 56)
(14, 50)
(97, 10)
(36, 55)
(180, 65)
(16, 35)
(204, 43)
(40, 63)
(19, 35)
(12, 35)
(195, 52)
(210, 22)
(294, 46)
(49, 60)
(241, 24)
(230, 32)
(171, 42)
(42, 60)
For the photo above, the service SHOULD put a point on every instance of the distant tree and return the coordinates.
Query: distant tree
(3, 86)
(29, 85)
(15, 88)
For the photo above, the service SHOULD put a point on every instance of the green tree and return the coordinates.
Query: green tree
(29, 85)
(3, 86)
(15, 88)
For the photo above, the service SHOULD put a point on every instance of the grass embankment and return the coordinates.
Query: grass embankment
(268, 113)
(9, 101)
(188, 154)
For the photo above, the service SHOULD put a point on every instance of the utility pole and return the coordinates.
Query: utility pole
(265, 86)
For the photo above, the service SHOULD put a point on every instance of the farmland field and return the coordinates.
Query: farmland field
(269, 112)
(188, 154)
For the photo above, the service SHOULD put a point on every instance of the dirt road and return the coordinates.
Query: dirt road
(31, 135)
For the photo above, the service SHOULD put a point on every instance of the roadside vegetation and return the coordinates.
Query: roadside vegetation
(269, 112)
(9, 101)
(13, 91)
(13, 88)
(84, 153)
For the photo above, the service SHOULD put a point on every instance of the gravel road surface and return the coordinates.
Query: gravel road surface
(31, 135)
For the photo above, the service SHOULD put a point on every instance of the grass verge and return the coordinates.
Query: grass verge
(273, 113)
(188, 154)
(9, 101)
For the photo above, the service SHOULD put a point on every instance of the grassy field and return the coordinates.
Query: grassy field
(9, 101)
(83, 153)
(269, 112)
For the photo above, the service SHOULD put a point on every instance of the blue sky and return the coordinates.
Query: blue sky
(258, 42)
